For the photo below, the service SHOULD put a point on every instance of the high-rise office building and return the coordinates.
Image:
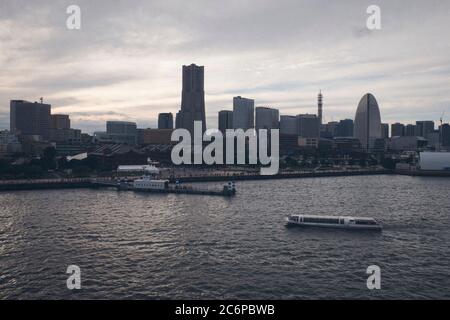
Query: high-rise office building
(122, 132)
(308, 130)
(165, 121)
(410, 130)
(60, 121)
(320, 107)
(445, 135)
(267, 118)
(308, 126)
(192, 99)
(423, 128)
(288, 125)
(243, 113)
(345, 128)
(384, 131)
(225, 120)
(30, 118)
(397, 130)
(368, 122)
(329, 130)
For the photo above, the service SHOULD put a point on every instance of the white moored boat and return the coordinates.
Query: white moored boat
(355, 223)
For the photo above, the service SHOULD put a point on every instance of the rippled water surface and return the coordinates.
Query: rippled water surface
(146, 246)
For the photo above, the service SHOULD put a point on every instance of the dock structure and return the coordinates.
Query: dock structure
(227, 191)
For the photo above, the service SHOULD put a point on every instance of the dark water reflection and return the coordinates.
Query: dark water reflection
(180, 246)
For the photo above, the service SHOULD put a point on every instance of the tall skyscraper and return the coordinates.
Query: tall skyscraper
(397, 130)
(192, 98)
(225, 120)
(288, 125)
(410, 130)
(320, 107)
(368, 122)
(345, 128)
(267, 118)
(243, 113)
(30, 118)
(165, 121)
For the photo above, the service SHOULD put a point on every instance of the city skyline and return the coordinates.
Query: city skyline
(124, 63)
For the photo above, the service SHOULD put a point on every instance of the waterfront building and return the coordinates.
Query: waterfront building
(113, 155)
(288, 125)
(397, 130)
(434, 161)
(445, 135)
(9, 143)
(64, 135)
(384, 131)
(30, 118)
(329, 130)
(347, 144)
(225, 120)
(433, 139)
(308, 125)
(368, 122)
(60, 121)
(308, 130)
(101, 137)
(423, 128)
(407, 143)
(345, 128)
(192, 98)
(267, 118)
(243, 113)
(157, 136)
(165, 121)
(410, 130)
(122, 132)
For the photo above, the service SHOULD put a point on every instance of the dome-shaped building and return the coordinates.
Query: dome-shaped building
(367, 126)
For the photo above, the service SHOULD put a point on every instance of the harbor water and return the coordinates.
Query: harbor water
(170, 246)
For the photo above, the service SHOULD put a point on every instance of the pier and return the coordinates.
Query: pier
(73, 183)
(227, 191)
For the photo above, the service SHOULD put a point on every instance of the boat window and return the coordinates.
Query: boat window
(366, 222)
(321, 220)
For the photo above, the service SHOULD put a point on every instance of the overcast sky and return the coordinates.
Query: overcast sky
(125, 62)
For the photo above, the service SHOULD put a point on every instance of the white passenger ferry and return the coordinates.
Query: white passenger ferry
(355, 223)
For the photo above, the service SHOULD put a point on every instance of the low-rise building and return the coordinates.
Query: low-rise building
(434, 161)
(9, 144)
(157, 136)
